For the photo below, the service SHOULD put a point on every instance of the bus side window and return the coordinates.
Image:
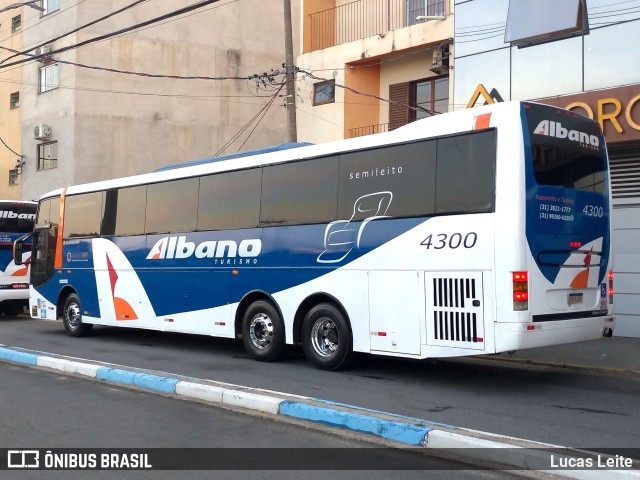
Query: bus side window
(172, 206)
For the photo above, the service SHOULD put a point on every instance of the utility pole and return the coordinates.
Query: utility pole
(290, 99)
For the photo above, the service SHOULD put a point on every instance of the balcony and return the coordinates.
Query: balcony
(368, 130)
(364, 18)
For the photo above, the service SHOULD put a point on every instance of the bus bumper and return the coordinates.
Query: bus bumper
(520, 336)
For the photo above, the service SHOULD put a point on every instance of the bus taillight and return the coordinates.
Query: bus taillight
(610, 287)
(520, 290)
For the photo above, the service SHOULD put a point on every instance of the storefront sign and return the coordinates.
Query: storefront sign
(616, 109)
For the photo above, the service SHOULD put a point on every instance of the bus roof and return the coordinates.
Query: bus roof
(248, 153)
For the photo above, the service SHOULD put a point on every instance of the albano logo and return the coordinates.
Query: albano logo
(555, 129)
(224, 251)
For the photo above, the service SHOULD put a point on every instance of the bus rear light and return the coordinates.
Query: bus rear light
(520, 290)
(610, 287)
(520, 277)
(520, 296)
(575, 244)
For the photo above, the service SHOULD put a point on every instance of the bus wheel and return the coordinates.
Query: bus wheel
(72, 317)
(326, 339)
(263, 332)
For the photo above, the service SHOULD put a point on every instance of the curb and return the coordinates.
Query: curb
(444, 440)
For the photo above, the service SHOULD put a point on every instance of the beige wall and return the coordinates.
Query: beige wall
(111, 124)
(9, 118)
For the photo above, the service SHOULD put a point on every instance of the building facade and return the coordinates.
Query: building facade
(590, 64)
(10, 108)
(163, 93)
(368, 66)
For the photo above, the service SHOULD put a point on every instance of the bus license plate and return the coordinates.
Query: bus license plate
(574, 298)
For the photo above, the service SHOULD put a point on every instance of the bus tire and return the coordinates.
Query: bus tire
(326, 339)
(72, 317)
(263, 332)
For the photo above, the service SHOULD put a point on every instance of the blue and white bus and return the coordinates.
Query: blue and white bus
(473, 232)
(16, 219)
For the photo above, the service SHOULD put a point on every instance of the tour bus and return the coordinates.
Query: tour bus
(16, 219)
(473, 232)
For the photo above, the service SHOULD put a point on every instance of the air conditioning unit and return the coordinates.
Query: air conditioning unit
(42, 132)
(440, 64)
(43, 50)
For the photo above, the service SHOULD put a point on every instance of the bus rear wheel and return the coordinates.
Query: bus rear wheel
(263, 332)
(326, 339)
(72, 317)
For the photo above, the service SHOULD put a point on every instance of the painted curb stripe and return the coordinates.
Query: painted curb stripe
(143, 380)
(18, 357)
(397, 431)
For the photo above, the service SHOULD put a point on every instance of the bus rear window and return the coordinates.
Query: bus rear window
(566, 168)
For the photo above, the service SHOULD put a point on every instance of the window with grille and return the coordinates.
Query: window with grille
(13, 176)
(14, 100)
(16, 23)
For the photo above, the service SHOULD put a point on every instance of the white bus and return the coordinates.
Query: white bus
(478, 231)
(16, 219)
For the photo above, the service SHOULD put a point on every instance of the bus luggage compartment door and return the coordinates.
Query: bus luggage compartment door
(455, 309)
(395, 311)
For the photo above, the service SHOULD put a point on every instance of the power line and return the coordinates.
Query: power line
(98, 20)
(9, 148)
(118, 32)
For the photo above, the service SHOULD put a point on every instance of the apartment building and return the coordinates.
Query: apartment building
(369, 66)
(166, 92)
(10, 108)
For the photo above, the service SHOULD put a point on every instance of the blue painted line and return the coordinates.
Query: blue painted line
(406, 433)
(18, 357)
(138, 379)
(411, 419)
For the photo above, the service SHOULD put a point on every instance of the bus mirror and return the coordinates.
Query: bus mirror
(18, 249)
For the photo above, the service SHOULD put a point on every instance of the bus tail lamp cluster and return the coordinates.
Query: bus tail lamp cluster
(610, 288)
(520, 291)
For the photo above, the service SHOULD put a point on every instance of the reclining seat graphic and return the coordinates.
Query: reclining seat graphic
(341, 236)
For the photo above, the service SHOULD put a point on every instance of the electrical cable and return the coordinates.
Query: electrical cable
(98, 20)
(113, 34)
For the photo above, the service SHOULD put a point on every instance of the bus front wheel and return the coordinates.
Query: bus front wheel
(326, 339)
(72, 317)
(263, 332)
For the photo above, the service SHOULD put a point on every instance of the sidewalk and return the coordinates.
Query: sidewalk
(615, 354)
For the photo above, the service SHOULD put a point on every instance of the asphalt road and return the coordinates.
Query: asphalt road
(559, 406)
(45, 410)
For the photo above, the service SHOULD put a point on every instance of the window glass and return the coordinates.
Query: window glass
(44, 209)
(130, 205)
(14, 100)
(47, 156)
(395, 181)
(301, 192)
(49, 78)
(533, 67)
(602, 48)
(465, 173)
(229, 200)
(324, 92)
(479, 27)
(172, 206)
(490, 69)
(83, 215)
(50, 6)
(568, 168)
